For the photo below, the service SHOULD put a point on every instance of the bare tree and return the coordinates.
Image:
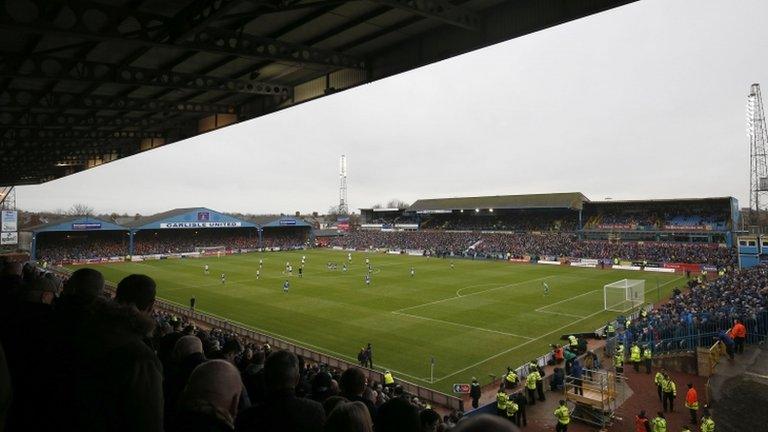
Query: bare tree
(80, 210)
(397, 203)
(333, 211)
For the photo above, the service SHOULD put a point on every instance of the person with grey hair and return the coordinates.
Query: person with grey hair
(282, 411)
(186, 356)
(209, 400)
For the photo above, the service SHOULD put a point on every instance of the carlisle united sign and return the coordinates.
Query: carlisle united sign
(200, 225)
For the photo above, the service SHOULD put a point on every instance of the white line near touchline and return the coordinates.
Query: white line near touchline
(566, 300)
(302, 343)
(474, 293)
(459, 325)
(560, 313)
(533, 340)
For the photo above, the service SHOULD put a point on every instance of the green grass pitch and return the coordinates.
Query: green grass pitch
(474, 319)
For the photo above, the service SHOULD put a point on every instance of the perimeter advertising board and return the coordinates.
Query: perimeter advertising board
(9, 221)
(9, 238)
(8, 227)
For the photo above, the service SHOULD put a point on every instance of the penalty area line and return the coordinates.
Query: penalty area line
(517, 346)
(534, 340)
(301, 343)
(460, 325)
(474, 293)
(542, 309)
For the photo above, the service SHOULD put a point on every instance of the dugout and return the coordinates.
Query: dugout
(286, 232)
(186, 230)
(79, 238)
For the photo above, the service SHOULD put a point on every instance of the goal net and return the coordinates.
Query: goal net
(211, 250)
(624, 295)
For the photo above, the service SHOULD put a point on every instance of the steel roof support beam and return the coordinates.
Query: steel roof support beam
(18, 133)
(83, 18)
(442, 10)
(45, 67)
(84, 121)
(197, 15)
(53, 100)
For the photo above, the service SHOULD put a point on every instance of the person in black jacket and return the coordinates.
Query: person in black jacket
(282, 411)
(352, 385)
(521, 402)
(474, 392)
(108, 378)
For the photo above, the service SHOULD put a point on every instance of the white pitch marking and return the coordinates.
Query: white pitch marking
(517, 346)
(474, 293)
(460, 325)
(300, 342)
(533, 340)
(541, 309)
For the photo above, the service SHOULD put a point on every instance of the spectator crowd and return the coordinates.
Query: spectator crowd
(548, 244)
(708, 307)
(84, 247)
(81, 359)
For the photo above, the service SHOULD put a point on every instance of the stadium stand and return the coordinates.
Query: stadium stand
(694, 317)
(178, 231)
(167, 348)
(533, 245)
(42, 315)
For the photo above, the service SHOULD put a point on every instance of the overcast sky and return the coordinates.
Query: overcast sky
(644, 101)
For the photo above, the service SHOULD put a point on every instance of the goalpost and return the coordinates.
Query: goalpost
(624, 295)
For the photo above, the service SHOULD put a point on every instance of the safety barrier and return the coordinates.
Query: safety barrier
(248, 334)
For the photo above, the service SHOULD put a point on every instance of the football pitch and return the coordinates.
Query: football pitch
(474, 319)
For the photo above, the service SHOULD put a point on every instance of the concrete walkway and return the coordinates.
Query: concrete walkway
(739, 392)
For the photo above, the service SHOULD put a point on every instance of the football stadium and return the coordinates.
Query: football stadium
(526, 311)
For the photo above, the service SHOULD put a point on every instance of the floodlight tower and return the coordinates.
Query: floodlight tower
(343, 207)
(758, 165)
(7, 198)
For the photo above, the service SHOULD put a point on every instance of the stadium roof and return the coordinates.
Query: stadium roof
(86, 82)
(77, 224)
(192, 217)
(671, 201)
(570, 200)
(287, 221)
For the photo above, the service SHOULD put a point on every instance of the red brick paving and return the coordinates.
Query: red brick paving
(646, 398)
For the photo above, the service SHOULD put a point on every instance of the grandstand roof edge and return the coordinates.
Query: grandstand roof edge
(662, 200)
(566, 200)
(58, 225)
(284, 222)
(177, 215)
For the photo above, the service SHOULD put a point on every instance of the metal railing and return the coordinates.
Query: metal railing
(250, 335)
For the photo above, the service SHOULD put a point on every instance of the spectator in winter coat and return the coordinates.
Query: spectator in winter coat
(352, 384)
(187, 355)
(109, 378)
(282, 411)
(210, 399)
